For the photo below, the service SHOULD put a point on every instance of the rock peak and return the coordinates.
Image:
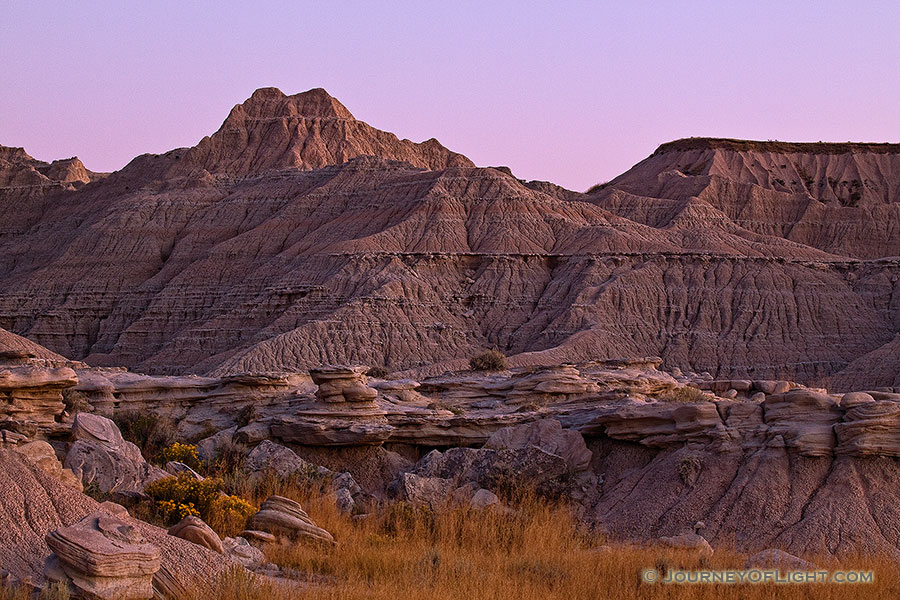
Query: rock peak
(272, 103)
(309, 130)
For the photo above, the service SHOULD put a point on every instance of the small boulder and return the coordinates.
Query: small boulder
(854, 399)
(258, 538)
(193, 529)
(41, 455)
(484, 499)
(689, 541)
(240, 551)
(285, 518)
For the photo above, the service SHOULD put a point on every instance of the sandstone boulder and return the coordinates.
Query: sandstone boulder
(208, 449)
(193, 529)
(104, 557)
(269, 457)
(240, 551)
(285, 518)
(483, 498)
(433, 492)
(100, 456)
(689, 541)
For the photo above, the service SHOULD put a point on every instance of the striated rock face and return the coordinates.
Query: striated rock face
(297, 236)
(31, 398)
(285, 518)
(101, 556)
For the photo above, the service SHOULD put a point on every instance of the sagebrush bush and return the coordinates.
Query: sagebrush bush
(178, 496)
(492, 360)
(228, 515)
(183, 453)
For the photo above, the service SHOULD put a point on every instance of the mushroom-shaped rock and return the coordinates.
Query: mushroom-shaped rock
(343, 384)
(193, 529)
(285, 518)
(102, 556)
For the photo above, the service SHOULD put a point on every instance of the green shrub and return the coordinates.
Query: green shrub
(492, 360)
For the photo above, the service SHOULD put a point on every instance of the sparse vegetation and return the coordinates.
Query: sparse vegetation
(148, 431)
(492, 360)
(539, 552)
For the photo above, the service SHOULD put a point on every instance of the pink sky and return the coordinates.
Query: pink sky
(571, 92)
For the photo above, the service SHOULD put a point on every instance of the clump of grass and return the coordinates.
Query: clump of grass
(684, 393)
(492, 360)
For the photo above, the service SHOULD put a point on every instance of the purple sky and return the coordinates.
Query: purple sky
(570, 92)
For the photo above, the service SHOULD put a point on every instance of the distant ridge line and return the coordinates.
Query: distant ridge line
(703, 143)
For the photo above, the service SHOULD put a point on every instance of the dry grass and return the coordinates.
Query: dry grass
(541, 553)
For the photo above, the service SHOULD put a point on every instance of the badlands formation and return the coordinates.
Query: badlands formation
(704, 346)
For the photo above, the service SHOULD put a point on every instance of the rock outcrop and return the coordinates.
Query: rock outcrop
(36, 503)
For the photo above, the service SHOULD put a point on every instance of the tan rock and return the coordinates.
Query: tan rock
(284, 517)
(193, 529)
(549, 436)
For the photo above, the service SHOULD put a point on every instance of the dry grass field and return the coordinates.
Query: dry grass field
(538, 553)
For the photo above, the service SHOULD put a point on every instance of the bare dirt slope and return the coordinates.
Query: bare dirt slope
(297, 235)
